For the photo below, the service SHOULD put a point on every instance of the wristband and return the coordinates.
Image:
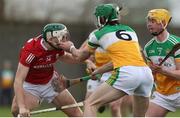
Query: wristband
(70, 49)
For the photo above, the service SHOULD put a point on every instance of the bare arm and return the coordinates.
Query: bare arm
(80, 54)
(69, 58)
(174, 74)
(105, 68)
(18, 88)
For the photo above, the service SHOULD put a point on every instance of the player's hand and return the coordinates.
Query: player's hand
(157, 69)
(23, 112)
(90, 66)
(66, 45)
(93, 75)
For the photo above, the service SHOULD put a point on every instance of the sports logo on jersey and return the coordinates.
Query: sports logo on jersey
(178, 88)
(41, 59)
(48, 58)
(160, 60)
(151, 51)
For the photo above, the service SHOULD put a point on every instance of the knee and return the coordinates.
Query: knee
(88, 103)
(114, 107)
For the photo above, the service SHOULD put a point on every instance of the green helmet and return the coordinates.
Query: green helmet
(109, 12)
(54, 30)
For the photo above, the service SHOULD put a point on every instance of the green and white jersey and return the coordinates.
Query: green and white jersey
(121, 44)
(155, 51)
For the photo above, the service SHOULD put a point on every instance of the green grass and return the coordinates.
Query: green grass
(5, 112)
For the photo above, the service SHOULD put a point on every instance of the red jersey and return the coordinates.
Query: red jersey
(40, 60)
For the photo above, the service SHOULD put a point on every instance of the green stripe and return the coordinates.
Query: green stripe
(92, 44)
(113, 78)
(111, 28)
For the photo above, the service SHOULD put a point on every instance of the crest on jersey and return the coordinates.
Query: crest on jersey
(48, 58)
(57, 56)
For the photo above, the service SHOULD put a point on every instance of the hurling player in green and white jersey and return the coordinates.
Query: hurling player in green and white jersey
(130, 76)
(166, 97)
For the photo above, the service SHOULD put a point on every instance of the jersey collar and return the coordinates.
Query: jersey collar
(44, 47)
(162, 41)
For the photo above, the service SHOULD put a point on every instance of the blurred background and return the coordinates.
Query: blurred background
(21, 20)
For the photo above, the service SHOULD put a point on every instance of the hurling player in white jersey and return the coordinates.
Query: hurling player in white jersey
(119, 108)
(166, 97)
(35, 73)
(130, 76)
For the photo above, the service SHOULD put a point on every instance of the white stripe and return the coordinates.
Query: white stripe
(173, 39)
(149, 43)
(29, 58)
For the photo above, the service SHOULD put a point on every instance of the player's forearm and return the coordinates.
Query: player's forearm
(80, 55)
(105, 68)
(174, 74)
(19, 93)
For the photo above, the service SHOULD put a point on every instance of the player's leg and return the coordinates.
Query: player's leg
(91, 87)
(155, 110)
(31, 102)
(122, 107)
(160, 105)
(65, 98)
(115, 108)
(140, 106)
(126, 106)
(103, 94)
(143, 91)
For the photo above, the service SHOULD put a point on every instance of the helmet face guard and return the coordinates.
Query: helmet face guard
(55, 30)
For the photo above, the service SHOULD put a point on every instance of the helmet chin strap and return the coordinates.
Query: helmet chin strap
(157, 33)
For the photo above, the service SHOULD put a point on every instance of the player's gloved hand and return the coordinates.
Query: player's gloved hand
(23, 112)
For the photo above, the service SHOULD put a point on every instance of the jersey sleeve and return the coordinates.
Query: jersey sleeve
(93, 41)
(177, 55)
(26, 58)
(145, 54)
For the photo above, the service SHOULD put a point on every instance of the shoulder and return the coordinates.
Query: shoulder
(174, 39)
(112, 28)
(149, 43)
(33, 45)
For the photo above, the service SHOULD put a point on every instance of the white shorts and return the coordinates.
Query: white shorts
(93, 84)
(169, 102)
(133, 80)
(42, 92)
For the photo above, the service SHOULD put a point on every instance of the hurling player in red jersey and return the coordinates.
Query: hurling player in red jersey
(35, 73)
